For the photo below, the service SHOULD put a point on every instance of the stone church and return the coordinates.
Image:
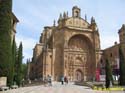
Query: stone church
(71, 48)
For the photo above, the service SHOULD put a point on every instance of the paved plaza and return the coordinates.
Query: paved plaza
(57, 88)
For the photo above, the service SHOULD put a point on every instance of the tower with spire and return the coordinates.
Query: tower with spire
(76, 12)
(122, 34)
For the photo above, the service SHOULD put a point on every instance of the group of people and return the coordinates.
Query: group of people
(48, 80)
(64, 80)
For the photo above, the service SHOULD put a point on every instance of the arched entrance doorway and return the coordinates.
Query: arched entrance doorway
(78, 75)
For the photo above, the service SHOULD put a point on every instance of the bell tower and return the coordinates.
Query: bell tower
(122, 34)
(76, 12)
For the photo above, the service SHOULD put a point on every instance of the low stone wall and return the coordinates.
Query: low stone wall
(3, 81)
(90, 84)
(84, 84)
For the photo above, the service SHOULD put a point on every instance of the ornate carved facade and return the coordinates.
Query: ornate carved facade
(72, 49)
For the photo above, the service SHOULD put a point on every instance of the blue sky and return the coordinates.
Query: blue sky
(35, 14)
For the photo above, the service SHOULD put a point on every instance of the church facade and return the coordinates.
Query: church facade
(71, 48)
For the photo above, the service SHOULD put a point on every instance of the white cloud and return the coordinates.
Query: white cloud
(28, 45)
(108, 41)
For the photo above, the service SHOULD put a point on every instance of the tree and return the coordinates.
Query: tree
(108, 71)
(122, 67)
(28, 69)
(24, 71)
(5, 39)
(14, 54)
(19, 65)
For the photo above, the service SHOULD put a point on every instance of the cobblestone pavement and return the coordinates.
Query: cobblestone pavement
(57, 88)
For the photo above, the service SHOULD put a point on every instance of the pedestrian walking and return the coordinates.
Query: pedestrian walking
(62, 80)
(22, 82)
(49, 80)
(66, 80)
(45, 81)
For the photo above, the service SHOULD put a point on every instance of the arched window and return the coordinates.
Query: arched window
(77, 14)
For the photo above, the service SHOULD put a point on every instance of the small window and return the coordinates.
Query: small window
(110, 54)
(101, 61)
(50, 56)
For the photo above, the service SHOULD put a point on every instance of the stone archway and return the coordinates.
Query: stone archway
(79, 57)
(78, 75)
(79, 41)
